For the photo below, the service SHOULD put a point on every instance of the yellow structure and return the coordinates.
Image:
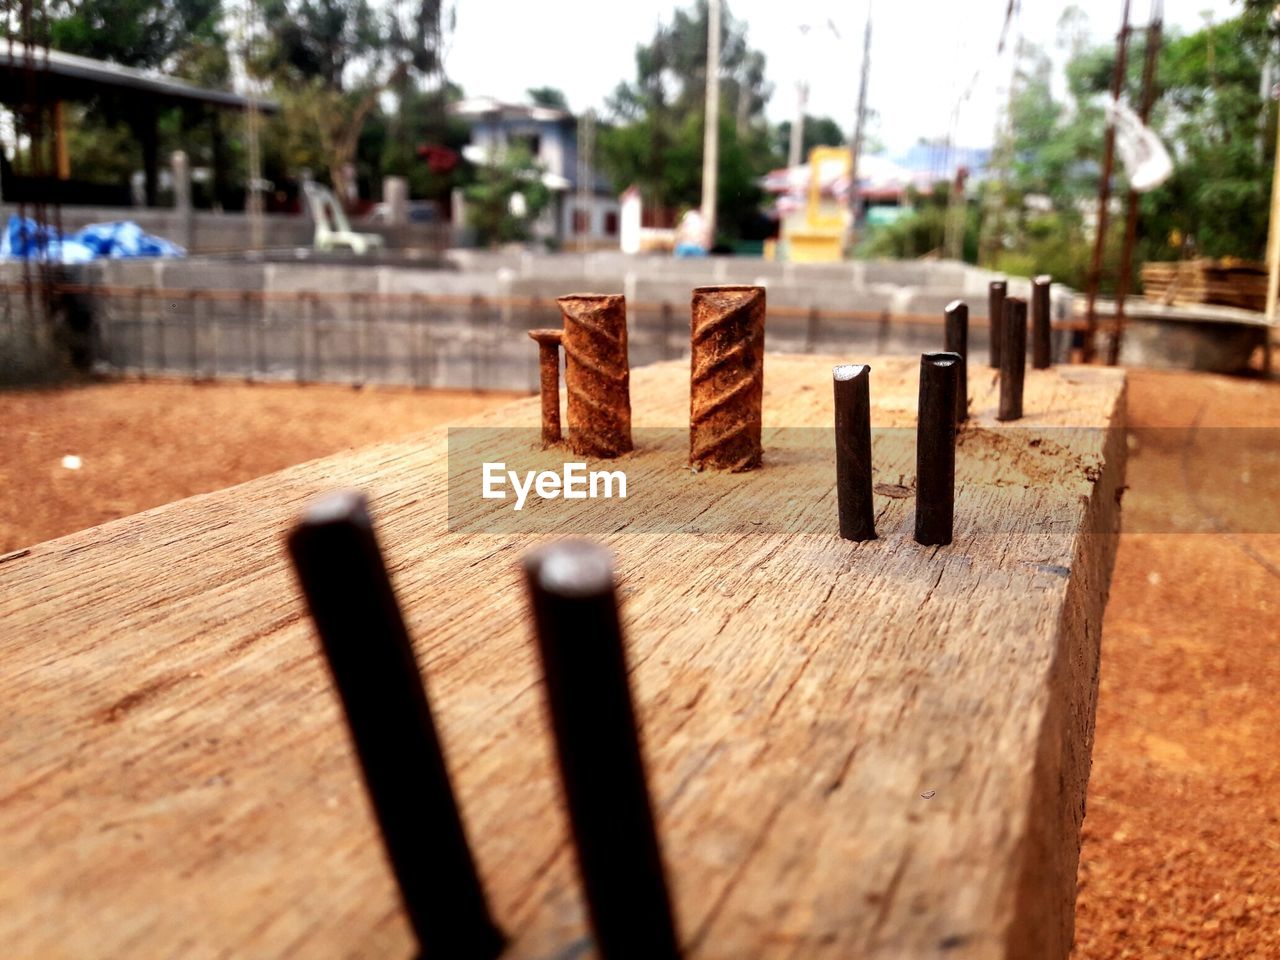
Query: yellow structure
(818, 235)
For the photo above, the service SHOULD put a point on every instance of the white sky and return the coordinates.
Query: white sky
(923, 52)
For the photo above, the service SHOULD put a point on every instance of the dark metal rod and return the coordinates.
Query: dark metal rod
(575, 610)
(853, 452)
(1041, 350)
(936, 447)
(995, 311)
(956, 314)
(549, 382)
(340, 568)
(1013, 363)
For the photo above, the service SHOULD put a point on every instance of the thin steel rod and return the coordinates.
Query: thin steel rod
(853, 452)
(549, 382)
(1094, 277)
(1013, 363)
(575, 608)
(995, 312)
(340, 568)
(936, 448)
(957, 341)
(1041, 328)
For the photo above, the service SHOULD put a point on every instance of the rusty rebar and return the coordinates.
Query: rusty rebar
(597, 373)
(584, 660)
(1041, 347)
(1013, 361)
(995, 314)
(956, 337)
(548, 342)
(727, 377)
(853, 451)
(340, 568)
(936, 448)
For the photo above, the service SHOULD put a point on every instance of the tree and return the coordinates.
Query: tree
(336, 58)
(548, 97)
(654, 139)
(818, 132)
(178, 36)
(507, 198)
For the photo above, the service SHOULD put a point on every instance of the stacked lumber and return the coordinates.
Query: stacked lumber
(1227, 282)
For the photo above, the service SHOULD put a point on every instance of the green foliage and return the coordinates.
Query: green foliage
(179, 36)
(923, 231)
(548, 97)
(655, 138)
(818, 132)
(333, 60)
(489, 199)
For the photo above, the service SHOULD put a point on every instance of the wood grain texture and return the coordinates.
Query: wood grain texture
(178, 782)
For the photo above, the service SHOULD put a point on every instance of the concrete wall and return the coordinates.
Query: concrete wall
(337, 337)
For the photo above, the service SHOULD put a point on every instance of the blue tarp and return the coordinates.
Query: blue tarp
(24, 239)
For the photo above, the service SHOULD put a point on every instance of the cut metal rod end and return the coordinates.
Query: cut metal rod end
(571, 587)
(597, 373)
(956, 314)
(727, 377)
(853, 451)
(1041, 329)
(549, 382)
(344, 579)
(1013, 361)
(936, 447)
(995, 314)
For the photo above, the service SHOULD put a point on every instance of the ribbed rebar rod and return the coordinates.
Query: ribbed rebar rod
(936, 447)
(957, 341)
(597, 373)
(727, 377)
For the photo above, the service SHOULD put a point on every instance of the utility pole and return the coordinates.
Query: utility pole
(855, 142)
(711, 122)
(1104, 193)
(796, 146)
(586, 178)
(1155, 33)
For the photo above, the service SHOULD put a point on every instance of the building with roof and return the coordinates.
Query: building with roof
(575, 216)
(41, 80)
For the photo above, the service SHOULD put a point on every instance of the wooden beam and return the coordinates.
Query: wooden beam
(855, 749)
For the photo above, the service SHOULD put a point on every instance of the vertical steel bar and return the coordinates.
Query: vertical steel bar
(727, 377)
(549, 382)
(854, 498)
(956, 336)
(597, 373)
(936, 448)
(370, 656)
(571, 587)
(1041, 328)
(1094, 277)
(1013, 362)
(995, 312)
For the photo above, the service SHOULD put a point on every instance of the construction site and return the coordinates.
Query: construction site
(437, 523)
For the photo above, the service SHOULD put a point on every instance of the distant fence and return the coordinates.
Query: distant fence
(419, 339)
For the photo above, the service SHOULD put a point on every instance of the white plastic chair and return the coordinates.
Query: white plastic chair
(333, 229)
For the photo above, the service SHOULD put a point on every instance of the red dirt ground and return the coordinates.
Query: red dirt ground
(1181, 854)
